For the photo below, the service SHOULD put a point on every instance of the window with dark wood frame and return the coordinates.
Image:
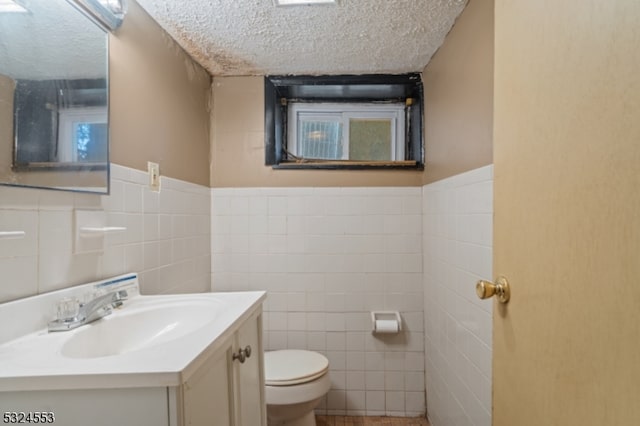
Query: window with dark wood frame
(281, 92)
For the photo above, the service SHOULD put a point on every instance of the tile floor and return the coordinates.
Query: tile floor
(370, 421)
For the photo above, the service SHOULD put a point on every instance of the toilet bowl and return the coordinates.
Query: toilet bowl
(296, 381)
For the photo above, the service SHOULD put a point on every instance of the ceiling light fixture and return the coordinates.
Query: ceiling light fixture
(109, 13)
(117, 7)
(303, 2)
(11, 6)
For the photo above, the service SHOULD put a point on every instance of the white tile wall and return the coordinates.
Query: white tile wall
(327, 257)
(167, 239)
(458, 227)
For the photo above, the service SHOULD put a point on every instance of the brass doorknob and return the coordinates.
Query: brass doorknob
(486, 289)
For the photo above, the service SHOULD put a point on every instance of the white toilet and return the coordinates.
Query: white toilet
(295, 381)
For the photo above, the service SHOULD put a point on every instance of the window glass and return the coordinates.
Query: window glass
(91, 142)
(320, 138)
(370, 139)
(348, 131)
(82, 135)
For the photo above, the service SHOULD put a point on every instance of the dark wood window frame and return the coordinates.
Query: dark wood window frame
(279, 91)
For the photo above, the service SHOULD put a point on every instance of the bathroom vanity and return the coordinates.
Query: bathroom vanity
(194, 359)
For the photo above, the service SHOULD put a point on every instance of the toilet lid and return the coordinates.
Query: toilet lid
(293, 367)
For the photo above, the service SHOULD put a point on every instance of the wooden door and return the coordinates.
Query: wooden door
(567, 212)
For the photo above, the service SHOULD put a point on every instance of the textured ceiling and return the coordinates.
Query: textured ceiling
(253, 37)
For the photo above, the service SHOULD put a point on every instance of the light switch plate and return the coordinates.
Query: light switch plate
(154, 176)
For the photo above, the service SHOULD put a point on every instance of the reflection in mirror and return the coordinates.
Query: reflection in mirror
(53, 98)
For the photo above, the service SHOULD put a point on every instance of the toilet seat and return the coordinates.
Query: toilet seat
(293, 367)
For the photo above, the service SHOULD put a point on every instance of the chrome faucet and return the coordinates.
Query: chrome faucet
(75, 314)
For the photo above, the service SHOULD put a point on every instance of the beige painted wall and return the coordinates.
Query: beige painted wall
(458, 85)
(458, 118)
(237, 146)
(159, 101)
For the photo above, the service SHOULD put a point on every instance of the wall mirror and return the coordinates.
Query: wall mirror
(54, 128)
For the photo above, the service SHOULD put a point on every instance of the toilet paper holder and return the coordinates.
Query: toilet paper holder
(388, 322)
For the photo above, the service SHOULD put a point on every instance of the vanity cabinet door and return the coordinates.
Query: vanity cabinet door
(249, 375)
(225, 391)
(95, 407)
(208, 394)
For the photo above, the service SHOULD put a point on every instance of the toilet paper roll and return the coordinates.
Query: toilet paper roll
(386, 326)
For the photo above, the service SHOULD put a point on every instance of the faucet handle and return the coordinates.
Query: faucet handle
(67, 308)
(88, 297)
(118, 298)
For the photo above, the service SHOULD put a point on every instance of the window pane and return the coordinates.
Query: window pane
(320, 139)
(370, 139)
(91, 142)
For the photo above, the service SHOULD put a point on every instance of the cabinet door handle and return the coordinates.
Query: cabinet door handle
(242, 354)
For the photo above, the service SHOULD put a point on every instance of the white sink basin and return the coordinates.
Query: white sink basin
(150, 341)
(135, 328)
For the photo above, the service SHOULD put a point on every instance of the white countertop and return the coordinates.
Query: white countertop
(35, 361)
